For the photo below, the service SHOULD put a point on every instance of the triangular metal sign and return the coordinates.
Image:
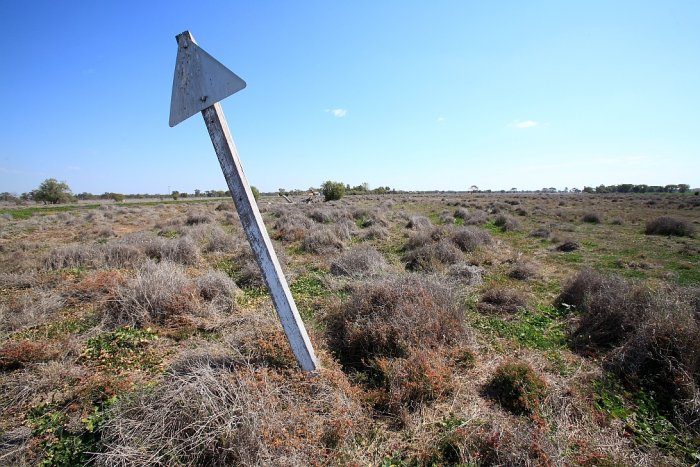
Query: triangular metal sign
(200, 80)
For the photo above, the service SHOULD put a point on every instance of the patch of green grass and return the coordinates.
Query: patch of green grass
(168, 234)
(643, 419)
(64, 443)
(541, 329)
(309, 291)
(59, 328)
(121, 349)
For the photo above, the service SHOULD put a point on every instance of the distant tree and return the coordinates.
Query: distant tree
(332, 190)
(474, 188)
(588, 189)
(184, 194)
(197, 192)
(7, 196)
(51, 191)
(683, 187)
(256, 192)
(175, 194)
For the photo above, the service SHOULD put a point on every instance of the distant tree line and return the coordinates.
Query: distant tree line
(631, 188)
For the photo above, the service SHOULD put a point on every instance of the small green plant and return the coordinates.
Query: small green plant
(120, 349)
(517, 387)
(256, 192)
(65, 443)
(643, 418)
(332, 191)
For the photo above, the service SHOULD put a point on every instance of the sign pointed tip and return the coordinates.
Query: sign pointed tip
(200, 80)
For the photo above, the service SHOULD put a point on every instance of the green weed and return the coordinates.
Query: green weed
(121, 349)
(643, 419)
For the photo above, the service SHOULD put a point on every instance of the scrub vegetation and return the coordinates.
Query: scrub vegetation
(452, 329)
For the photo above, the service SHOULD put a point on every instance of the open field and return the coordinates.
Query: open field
(476, 329)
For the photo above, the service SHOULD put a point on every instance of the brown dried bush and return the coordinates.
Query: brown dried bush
(419, 223)
(321, 241)
(158, 293)
(470, 238)
(517, 387)
(206, 413)
(506, 223)
(359, 261)
(592, 218)
(17, 354)
(649, 338)
(73, 256)
(217, 288)
(197, 218)
(392, 316)
(120, 255)
(433, 257)
(30, 309)
(499, 299)
(665, 225)
(523, 270)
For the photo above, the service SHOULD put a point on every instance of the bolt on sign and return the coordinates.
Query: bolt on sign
(200, 82)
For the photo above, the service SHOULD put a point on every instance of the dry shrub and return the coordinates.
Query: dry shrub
(158, 292)
(470, 238)
(419, 223)
(219, 241)
(120, 255)
(461, 213)
(447, 218)
(541, 233)
(392, 334)
(96, 287)
(499, 299)
(31, 309)
(197, 218)
(375, 232)
(506, 223)
(665, 225)
(390, 317)
(292, 226)
(568, 246)
(17, 354)
(182, 250)
(344, 229)
(17, 280)
(404, 384)
(517, 387)
(523, 270)
(611, 308)
(370, 218)
(321, 241)
(617, 221)
(649, 338)
(433, 257)
(466, 273)
(73, 256)
(322, 215)
(592, 218)
(477, 218)
(360, 261)
(217, 288)
(209, 413)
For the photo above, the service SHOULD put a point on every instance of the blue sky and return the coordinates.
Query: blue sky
(411, 95)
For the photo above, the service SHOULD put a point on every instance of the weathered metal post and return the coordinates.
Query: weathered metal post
(200, 82)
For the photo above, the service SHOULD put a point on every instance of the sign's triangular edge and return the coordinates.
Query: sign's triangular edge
(199, 81)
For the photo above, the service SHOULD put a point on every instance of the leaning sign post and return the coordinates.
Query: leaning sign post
(200, 82)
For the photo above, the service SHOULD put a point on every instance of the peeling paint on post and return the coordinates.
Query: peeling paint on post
(200, 82)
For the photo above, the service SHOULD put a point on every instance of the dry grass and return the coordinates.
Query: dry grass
(360, 261)
(666, 225)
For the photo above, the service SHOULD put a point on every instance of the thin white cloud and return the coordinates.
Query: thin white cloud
(441, 119)
(339, 113)
(526, 124)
